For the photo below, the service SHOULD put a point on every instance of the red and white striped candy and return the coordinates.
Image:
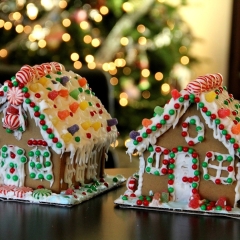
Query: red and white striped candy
(39, 70)
(4, 189)
(47, 67)
(15, 96)
(23, 76)
(57, 66)
(11, 121)
(21, 191)
(205, 83)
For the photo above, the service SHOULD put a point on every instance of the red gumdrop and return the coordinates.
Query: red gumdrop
(194, 201)
(74, 107)
(221, 202)
(53, 94)
(175, 94)
(223, 112)
(12, 110)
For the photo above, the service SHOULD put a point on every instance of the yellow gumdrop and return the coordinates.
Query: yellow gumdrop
(96, 125)
(34, 87)
(210, 96)
(55, 120)
(86, 125)
(43, 81)
(83, 105)
(67, 137)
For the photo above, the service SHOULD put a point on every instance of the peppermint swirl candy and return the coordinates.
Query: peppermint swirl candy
(11, 121)
(21, 191)
(15, 96)
(205, 83)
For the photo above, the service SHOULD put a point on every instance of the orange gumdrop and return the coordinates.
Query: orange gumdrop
(82, 82)
(74, 107)
(146, 122)
(63, 93)
(235, 129)
(63, 114)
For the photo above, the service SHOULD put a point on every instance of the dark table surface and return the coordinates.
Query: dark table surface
(99, 218)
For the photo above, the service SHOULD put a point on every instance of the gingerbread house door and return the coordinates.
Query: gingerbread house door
(183, 170)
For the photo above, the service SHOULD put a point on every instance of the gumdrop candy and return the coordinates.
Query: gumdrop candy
(96, 125)
(82, 82)
(63, 114)
(53, 94)
(194, 201)
(112, 122)
(158, 110)
(134, 134)
(12, 110)
(43, 81)
(210, 96)
(63, 93)
(146, 122)
(64, 80)
(67, 137)
(165, 197)
(74, 94)
(83, 105)
(175, 94)
(55, 120)
(236, 129)
(132, 183)
(222, 201)
(74, 107)
(69, 191)
(86, 125)
(74, 128)
(34, 87)
(224, 112)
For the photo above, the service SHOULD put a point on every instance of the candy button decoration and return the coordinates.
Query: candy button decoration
(15, 96)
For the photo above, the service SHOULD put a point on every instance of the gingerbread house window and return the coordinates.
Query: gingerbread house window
(12, 165)
(157, 160)
(219, 168)
(188, 125)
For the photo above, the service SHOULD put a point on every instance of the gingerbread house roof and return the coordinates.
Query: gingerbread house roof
(218, 108)
(69, 115)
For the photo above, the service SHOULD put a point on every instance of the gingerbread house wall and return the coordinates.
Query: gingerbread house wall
(32, 132)
(173, 138)
(58, 161)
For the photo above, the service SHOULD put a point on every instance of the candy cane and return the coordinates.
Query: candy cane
(205, 83)
(23, 76)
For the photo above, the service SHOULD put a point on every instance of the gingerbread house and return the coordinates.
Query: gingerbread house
(189, 152)
(54, 138)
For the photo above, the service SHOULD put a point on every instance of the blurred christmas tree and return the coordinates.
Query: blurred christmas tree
(143, 45)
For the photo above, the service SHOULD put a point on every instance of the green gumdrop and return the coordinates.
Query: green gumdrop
(74, 94)
(158, 110)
